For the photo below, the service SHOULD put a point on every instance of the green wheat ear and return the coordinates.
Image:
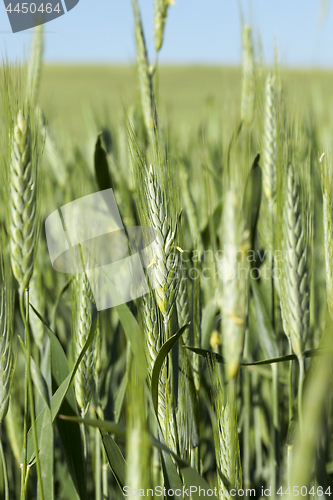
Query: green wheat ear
(157, 209)
(84, 310)
(23, 202)
(165, 256)
(160, 16)
(248, 89)
(295, 272)
(233, 273)
(270, 143)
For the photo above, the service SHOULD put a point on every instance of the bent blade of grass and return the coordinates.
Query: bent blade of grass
(115, 458)
(313, 353)
(57, 301)
(162, 354)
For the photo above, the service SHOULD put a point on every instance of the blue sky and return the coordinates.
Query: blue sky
(198, 31)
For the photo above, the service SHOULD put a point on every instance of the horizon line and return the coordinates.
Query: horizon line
(186, 65)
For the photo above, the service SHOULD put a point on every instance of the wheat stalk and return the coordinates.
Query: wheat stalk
(149, 318)
(53, 152)
(270, 144)
(234, 269)
(162, 260)
(196, 315)
(182, 307)
(188, 381)
(184, 416)
(160, 15)
(154, 335)
(190, 208)
(248, 89)
(165, 255)
(22, 204)
(35, 66)
(228, 470)
(98, 357)
(295, 273)
(84, 307)
(189, 377)
(6, 336)
(13, 421)
(144, 72)
(137, 442)
(37, 299)
(328, 230)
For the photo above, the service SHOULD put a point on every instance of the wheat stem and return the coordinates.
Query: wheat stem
(138, 449)
(328, 229)
(26, 421)
(144, 72)
(247, 416)
(290, 385)
(257, 428)
(35, 66)
(105, 476)
(37, 298)
(6, 330)
(275, 430)
(98, 466)
(300, 391)
(30, 400)
(190, 209)
(4, 465)
(232, 428)
(290, 405)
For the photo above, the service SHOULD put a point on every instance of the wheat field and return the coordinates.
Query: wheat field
(215, 379)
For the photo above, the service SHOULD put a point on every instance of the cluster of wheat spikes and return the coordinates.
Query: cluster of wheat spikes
(218, 378)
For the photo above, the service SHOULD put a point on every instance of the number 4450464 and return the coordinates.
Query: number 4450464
(303, 491)
(26, 7)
